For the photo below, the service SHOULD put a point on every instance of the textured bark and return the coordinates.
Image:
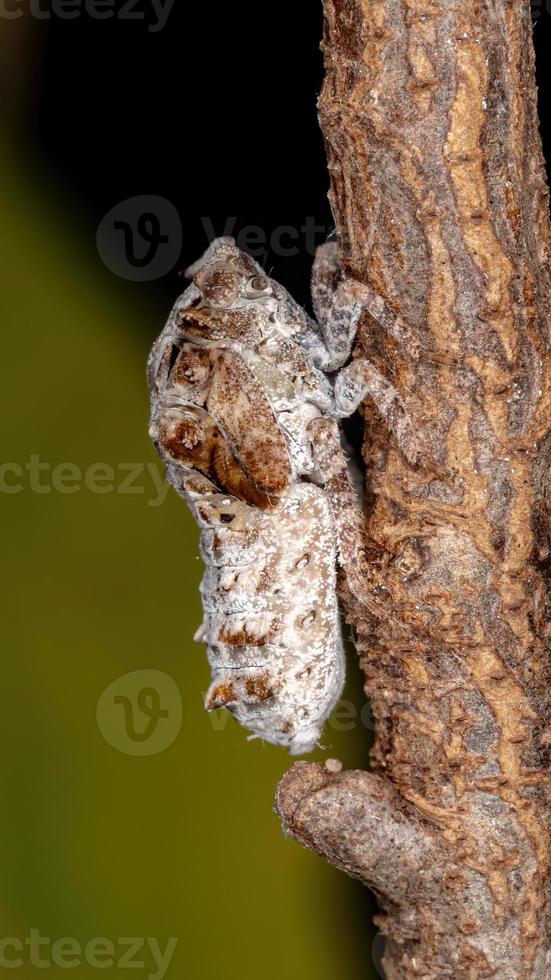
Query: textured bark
(440, 202)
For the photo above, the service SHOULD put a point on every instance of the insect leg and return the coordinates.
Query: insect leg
(360, 380)
(338, 304)
(347, 514)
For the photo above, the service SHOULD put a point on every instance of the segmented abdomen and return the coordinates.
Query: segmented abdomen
(271, 615)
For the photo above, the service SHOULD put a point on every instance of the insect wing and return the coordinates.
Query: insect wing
(241, 409)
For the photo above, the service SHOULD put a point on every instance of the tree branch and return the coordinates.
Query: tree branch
(441, 206)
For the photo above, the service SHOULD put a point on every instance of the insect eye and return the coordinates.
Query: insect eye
(258, 284)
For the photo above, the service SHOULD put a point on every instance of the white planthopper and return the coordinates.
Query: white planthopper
(244, 415)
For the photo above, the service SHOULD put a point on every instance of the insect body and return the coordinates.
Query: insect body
(240, 402)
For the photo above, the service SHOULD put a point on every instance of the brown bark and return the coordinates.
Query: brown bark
(440, 201)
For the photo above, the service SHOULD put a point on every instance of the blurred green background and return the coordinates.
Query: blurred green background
(95, 586)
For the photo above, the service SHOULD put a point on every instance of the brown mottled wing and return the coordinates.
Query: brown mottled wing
(240, 407)
(187, 435)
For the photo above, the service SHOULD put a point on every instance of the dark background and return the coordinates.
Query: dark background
(215, 112)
